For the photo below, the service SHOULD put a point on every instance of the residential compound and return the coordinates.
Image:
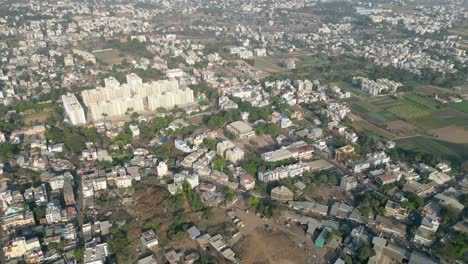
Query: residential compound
(115, 99)
(297, 150)
(376, 87)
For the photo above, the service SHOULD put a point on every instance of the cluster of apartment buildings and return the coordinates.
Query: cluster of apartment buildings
(376, 87)
(116, 100)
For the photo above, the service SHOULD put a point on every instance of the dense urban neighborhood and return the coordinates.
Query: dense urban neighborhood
(234, 131)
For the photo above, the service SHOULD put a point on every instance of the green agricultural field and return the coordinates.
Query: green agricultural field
(463, 106)
(407, 111)
(441, 118)
(309, 61)
(421, 101)
(388, 108)
(267, 64)
(378, 104)
(444, 149)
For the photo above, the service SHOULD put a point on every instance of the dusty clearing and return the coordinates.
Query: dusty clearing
(109, 57)
(262, 247)
(322, 193)
(452, 134)
(36, 118)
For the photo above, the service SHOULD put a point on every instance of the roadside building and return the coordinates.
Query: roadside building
(348, 182)
(241, 129)
(282, 194)
(344, 152)
(396, 211)
(247, 181)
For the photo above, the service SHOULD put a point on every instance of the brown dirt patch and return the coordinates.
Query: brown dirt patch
(39, 117)
(452, 134)
(261, 247)
(402, 128)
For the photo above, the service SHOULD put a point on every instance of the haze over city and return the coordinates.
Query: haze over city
(234, 131)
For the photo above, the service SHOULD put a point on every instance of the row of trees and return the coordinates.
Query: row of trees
(260, 206)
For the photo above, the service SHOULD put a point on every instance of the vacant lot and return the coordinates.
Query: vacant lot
(277, 247)
(39, 117)
(110, 57)
(451, 134)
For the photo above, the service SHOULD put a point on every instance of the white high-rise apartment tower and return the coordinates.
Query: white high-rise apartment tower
(135, 82)
(73, 109)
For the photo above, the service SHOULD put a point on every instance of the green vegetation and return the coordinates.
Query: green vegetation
(78, 253)
(389, 108)
(148, 130)
(222, 119)
(463, 198)
(463, 106)
(374, 201)
(203, 88)
(73, 137)
(133, 46)
(178, 227)
(229, 194)
(430, 151)
(454, 248)
(209, 143)
(21, 107)
(8, 150)
(260, 206)
(449, 215)
(119, 243)
(364, 252)
(414, 201)
(193, 197)
(219, 164)
(120, 71)
(267, 128)
(441, 118)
